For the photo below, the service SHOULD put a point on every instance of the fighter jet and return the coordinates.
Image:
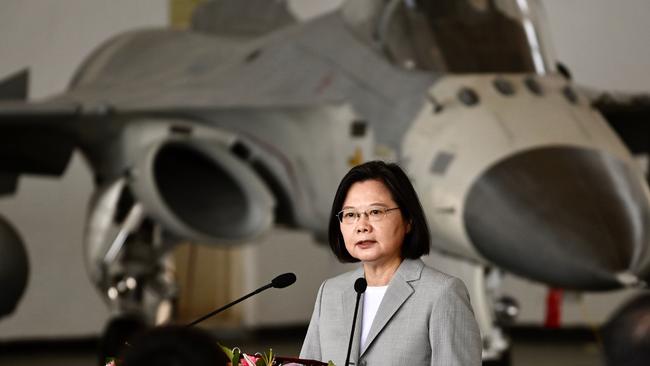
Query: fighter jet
(250, 118)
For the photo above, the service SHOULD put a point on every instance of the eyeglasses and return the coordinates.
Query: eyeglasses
(350, 215)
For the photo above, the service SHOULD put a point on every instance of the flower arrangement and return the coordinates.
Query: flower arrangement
(238, 358)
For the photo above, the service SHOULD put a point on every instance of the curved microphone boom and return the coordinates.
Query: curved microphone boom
(281, 281)
(360, 287)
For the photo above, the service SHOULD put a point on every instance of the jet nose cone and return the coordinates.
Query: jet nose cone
(571, 217)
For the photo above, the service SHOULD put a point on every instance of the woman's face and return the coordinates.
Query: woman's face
(379, 241)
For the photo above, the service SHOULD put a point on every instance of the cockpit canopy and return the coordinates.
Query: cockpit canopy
(457, 36)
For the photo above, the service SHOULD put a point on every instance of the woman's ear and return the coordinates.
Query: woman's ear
(409, 226)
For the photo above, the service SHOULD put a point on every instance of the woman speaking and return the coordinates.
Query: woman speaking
(410, 314)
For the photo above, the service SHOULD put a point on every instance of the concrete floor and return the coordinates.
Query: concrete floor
(529, 349)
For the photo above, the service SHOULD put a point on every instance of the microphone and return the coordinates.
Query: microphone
(360, 287)
(281, 281)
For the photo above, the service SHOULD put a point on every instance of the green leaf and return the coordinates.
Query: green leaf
(226, 350)
(236, 355)
(271, 357)
(266, 359)
(330, 363)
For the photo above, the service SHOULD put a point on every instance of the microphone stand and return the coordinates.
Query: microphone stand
(360, 287)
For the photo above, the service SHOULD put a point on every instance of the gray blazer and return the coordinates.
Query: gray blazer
(425, 318)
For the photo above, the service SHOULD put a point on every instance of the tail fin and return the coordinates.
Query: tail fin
(15, 86)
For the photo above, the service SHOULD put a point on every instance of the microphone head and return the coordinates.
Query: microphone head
(283, 280)
(360, 285)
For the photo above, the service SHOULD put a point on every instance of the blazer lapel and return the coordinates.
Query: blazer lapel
(398, 291)
(349, 300)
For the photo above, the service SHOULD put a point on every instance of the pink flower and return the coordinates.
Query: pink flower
(248, 360)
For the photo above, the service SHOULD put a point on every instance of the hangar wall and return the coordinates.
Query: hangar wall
(603, 42)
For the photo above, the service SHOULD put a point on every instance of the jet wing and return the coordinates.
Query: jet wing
(34, 138)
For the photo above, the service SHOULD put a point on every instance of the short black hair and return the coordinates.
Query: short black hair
(417, 240)
(174, 345)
